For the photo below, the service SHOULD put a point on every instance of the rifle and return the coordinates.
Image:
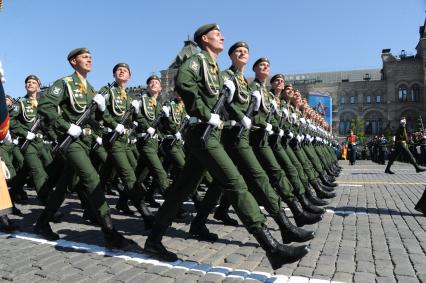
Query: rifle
(217, 109)
(63, 146)
(182, 127)
(154, 125)
(268, 120)
(249, 114)
(124, 120)
(34, 130)
(421, 122)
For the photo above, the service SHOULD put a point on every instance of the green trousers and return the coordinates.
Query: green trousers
(266, 157)
(77, 157)
(150, 160)
(287, 165)
(218, 163)
(36, 161)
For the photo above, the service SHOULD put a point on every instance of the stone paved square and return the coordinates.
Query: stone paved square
(370, 233)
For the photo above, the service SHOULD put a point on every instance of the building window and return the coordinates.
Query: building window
(373, 126)
(352, 99)
(344, 127)
(415, 93)
(342, 100)
(368, 99)
(402, 93)
(378, 99)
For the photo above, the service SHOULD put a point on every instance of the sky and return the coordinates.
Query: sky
(297, 36)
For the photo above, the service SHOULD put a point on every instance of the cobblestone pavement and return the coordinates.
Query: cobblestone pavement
(370, 233)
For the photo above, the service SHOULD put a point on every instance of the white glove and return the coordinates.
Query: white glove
(290, 136)
(284, 110)
(268, 127)
(403, 122)
(119, 129)
(231, 87)
(150, 131)
(178, 136)
(307, 137)
(100, 101)
(187, 116)
(246, 122)
(99, 140)
(166, 110)
(136, 105)
(281, 133)
(393, 138)
(74, 131)
(274, 104)
(214, 120)
(293, 116)
(30, 136)
(299, 138)
(256, 95)
(8, 138)
(302, 120)
(135, 123)
(309, 122)
(15, 141)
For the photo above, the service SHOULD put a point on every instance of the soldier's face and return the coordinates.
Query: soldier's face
(214, 40)
(82, 62)
(278, 84)
(32, 86)
(262, 69)
(122, 74)
(240, 56)
(154, 86)
(288, 92)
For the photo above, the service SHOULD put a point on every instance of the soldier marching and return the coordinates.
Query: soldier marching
(252, 146)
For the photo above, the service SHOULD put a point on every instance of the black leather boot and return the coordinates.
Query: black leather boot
(300, 216)
(6, 225)
(113, 239)
(308, 206)
(310, 194)
(42, 226)
(325, 187)
(199, 230)
(57, 217)
(419, 169)
(122, 205)
(290, 232)
(421, 204)
(221, 213)
(278, 254)
(148, 217)
(326, 182)
(321, 193)
(154, 246)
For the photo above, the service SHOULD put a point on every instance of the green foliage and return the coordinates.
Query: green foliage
(357, 126)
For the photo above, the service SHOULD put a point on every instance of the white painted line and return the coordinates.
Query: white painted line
(179, 264)
(350, 185)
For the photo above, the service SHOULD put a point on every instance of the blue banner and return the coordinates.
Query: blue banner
(322, 103)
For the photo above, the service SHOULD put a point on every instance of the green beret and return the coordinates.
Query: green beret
(153, 77)
(236, 45)
(33, 77)
(77, 52)
(260, 60)
(276, 77)
(204, 30)
(124, 65)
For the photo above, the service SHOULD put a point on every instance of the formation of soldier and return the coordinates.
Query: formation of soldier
(248, 144)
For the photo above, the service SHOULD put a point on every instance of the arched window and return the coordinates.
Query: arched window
(368, 99)
(415, 93)
(402, 93)
(373, 123)
(342, 100)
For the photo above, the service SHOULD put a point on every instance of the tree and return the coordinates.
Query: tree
(357, 126)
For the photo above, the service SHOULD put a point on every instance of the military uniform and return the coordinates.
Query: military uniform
(36, 157)
(199, 84)
(72, 96)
